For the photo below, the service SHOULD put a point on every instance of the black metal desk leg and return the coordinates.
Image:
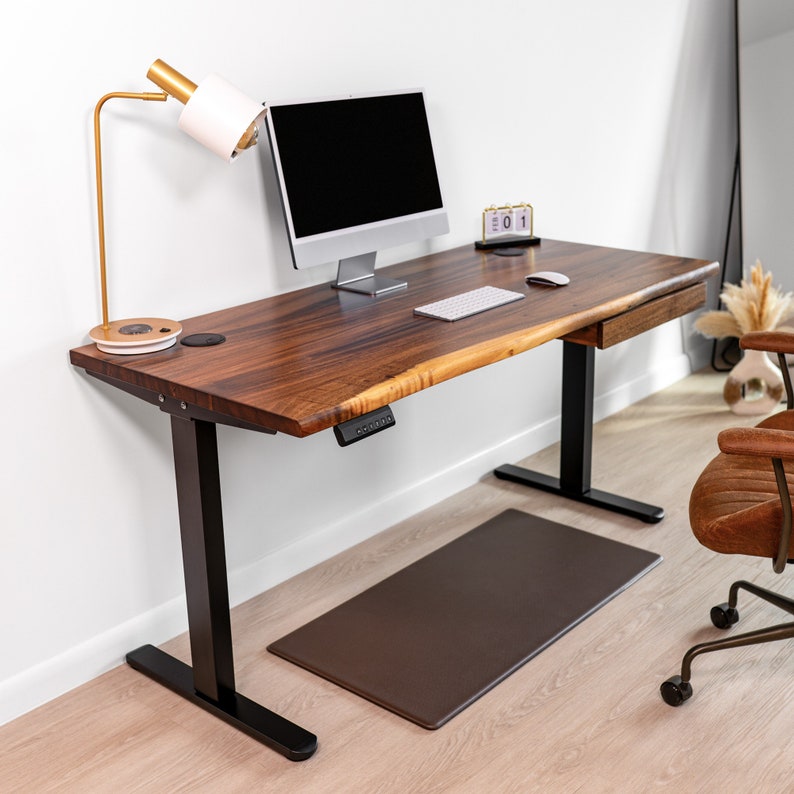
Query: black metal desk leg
(576, 443)
(209, 683)
(576, 434)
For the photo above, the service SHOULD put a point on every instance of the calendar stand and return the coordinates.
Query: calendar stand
(516, 241)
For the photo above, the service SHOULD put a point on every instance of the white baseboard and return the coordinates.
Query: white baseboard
(54, 677)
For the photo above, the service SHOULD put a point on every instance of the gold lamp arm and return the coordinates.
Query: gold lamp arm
(149, 96)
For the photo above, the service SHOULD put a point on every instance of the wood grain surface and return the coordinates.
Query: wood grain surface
(304, 361)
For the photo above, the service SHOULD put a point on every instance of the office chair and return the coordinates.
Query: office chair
(740, 504)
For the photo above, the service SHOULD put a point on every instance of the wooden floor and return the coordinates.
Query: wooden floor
(585, 715)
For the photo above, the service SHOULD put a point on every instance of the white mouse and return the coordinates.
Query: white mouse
(549, 277)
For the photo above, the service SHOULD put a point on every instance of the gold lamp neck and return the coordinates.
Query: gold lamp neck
(171, 81)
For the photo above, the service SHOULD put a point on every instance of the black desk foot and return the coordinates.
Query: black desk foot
(617, 504)
(263, 725)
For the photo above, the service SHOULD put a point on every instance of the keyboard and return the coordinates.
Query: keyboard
(475, 301)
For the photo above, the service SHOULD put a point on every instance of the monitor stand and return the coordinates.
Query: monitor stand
(357, 274)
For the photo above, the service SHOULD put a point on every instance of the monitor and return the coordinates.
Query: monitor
(356, 174)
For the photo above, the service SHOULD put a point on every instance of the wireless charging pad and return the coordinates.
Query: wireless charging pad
(203, 340)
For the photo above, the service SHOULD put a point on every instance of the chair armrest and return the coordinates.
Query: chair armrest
(758, 441)
(771, 341)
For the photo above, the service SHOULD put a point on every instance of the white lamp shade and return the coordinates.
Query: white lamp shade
(218, 114)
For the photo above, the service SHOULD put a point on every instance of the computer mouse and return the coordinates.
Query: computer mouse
(548, 277)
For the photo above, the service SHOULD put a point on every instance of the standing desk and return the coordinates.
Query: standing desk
(308, 360)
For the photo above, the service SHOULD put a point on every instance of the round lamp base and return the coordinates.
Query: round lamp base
(136, 336)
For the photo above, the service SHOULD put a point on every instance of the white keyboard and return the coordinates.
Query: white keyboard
(475, 301)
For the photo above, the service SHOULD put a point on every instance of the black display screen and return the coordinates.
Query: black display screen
(348, 162)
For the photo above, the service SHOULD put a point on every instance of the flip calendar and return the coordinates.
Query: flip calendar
(508, 225)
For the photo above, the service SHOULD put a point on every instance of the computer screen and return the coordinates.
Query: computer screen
(356, 174)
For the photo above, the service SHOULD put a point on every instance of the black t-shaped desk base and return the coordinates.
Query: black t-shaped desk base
(576, 444)
(209, 683)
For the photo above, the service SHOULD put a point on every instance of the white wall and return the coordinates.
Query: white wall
(614, 119)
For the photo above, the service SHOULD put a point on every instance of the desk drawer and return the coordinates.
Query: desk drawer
(640, 319)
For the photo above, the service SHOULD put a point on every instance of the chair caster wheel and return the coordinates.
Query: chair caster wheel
(674, 691)
(724, 616)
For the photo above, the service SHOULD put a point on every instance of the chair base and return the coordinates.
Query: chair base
(677, 689)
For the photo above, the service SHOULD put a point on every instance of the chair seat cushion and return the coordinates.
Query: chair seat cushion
(735, 507)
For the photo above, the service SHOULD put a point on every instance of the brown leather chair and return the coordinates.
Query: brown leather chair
(741, 505)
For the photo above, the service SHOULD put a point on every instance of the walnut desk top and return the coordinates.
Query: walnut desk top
(304, 361)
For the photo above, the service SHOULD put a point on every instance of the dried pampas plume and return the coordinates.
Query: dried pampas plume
(751, 306)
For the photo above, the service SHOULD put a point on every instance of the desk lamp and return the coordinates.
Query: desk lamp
(218, 116)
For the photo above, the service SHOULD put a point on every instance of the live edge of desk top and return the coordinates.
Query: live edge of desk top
(306, 360)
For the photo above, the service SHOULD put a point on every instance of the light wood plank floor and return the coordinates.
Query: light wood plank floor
(585, 715)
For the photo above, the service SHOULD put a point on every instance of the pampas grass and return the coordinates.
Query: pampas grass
(753, 305)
